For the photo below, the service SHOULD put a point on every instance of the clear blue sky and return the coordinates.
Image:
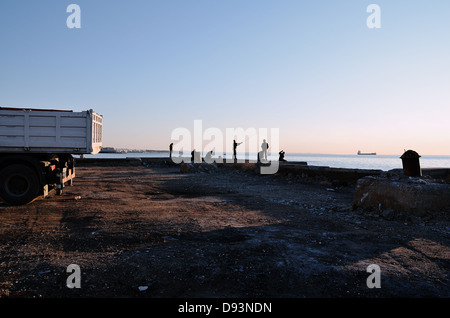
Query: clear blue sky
(313, 69)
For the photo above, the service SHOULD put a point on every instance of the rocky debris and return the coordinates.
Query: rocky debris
(198, 167)
(416, 195)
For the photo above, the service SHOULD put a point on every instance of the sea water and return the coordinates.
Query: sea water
(381, 162)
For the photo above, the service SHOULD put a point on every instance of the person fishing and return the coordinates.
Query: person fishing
(235, 144)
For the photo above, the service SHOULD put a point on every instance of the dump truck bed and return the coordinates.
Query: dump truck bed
(50, 131)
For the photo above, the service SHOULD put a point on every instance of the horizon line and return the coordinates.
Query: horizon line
(287, 153)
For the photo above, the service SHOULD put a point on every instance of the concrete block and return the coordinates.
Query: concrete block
(417, 196)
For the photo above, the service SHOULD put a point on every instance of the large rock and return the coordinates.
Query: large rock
(418, 196)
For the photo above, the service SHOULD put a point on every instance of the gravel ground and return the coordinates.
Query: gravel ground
(151, 231)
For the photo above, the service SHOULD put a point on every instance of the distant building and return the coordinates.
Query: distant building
(108, 150)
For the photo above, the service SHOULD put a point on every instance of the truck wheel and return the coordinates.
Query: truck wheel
(19, 184)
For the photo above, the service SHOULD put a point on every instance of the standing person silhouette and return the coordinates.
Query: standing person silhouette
(235, 144)
(170, 149)
(264, 147)
(208, 157)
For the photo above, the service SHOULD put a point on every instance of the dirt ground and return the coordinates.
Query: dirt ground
(151, 231)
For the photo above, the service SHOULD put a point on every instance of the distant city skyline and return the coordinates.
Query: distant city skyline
(315, 70)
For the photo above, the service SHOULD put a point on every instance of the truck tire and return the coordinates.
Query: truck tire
(19, 184)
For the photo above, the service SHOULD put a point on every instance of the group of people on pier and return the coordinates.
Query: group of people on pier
(262, 155)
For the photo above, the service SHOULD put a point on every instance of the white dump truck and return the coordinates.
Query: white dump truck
(37, 148)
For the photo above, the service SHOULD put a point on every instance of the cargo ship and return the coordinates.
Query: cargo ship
(366, 154)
